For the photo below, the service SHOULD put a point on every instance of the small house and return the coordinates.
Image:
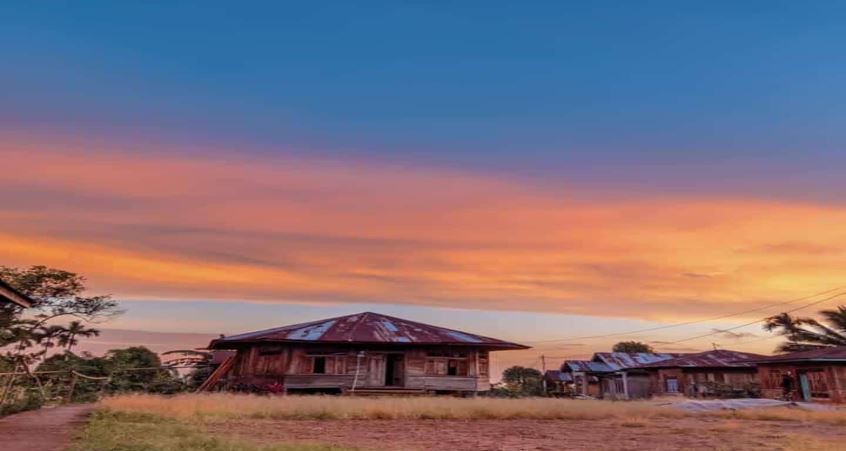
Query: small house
(714, 373)
(365, 352)
(9, 295)
(613, 375)
(818, 374)
(557, 383)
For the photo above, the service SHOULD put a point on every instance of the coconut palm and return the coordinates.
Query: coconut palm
(808, 333)
(75, 329)
(45, 335)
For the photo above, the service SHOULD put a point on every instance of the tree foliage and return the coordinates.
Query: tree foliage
(28, 334)
(133, 369)
(632, 347)
(808, 333)
(523, 381)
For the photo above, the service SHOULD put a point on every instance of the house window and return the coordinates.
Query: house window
(446, 367)
(452, 367)
(319, 366)
(322, 364)
(484, 367)
(672, 385)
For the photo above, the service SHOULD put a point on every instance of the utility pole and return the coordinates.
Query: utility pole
(543, 377)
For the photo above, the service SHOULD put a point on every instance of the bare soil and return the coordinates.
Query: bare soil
(512, 435)
(48, 429)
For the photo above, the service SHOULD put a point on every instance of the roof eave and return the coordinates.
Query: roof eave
(219, 344)
(14, 296)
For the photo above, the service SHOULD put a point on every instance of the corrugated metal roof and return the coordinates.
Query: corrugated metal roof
(586, 366)
(622, 360)
(557, 376)
(367, 327)
(720, 358)
(835, 354)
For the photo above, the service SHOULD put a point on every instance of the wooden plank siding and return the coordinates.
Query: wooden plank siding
(299, 367)
(827, 381)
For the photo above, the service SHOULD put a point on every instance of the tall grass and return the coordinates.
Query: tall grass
(199, 406)
(342, 408)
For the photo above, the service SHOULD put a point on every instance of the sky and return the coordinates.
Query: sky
(536, 172)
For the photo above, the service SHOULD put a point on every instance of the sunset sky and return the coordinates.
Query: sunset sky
(539, 173)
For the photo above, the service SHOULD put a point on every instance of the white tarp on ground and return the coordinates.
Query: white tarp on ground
(738, 404)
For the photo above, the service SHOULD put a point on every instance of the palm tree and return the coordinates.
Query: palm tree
(808, 333)
(45, 336)
(75, 329)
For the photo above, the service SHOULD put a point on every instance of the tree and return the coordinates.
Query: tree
(807, 333)
(68, 339)
(632, 347)
(522, 380)
(25, 335)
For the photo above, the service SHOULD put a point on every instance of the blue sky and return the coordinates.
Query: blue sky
(549, 85)
(666, 159)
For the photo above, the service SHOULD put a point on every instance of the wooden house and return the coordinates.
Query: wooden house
(712, 373)
(818, 375)
(613, 375)
(9, 295)
(556, 383)
(365, 352)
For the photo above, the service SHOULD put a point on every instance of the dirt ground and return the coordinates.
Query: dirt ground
(42, 430)
(512, 435)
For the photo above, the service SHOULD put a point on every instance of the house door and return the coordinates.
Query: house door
(395, 370)
(805, 386)
(376, 371)
(672, 385)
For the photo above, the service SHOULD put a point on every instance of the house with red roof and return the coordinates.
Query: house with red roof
(364, 353)
(814, 375)
(717, 373)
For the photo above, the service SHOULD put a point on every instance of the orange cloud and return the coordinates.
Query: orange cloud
(157, 224)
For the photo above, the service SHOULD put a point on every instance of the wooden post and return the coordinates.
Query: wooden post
(72, 386)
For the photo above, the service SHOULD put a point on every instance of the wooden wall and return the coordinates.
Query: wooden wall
(423, 369)
(693, 382)
(828, 381)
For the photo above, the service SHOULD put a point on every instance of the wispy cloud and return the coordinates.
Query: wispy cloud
(731, 335)
(156, 223)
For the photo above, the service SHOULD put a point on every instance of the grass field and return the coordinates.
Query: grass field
(240, 423)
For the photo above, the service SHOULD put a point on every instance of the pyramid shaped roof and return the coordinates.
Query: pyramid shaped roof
(366, 328)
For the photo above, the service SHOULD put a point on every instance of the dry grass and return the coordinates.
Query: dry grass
(428, 408)
(418, 408)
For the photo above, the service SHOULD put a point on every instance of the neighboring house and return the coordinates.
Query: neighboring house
(614, 375)
(13, 296)
(365, 352)
(557, 383)
(818, 375)
(584, 374)
(711, 373)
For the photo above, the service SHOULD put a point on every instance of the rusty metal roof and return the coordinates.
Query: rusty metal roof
(833, 354)
(368, 328)
(586, 366)
(622, 360)
(720, 358)
(10, 294)
(557, 376)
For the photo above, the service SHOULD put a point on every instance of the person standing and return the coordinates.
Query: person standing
(787, 384)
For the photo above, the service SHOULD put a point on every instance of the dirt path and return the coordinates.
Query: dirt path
(42, 430)
(541, 435)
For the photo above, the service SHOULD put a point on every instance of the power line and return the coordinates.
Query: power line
(687, 323)
(758, 321)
